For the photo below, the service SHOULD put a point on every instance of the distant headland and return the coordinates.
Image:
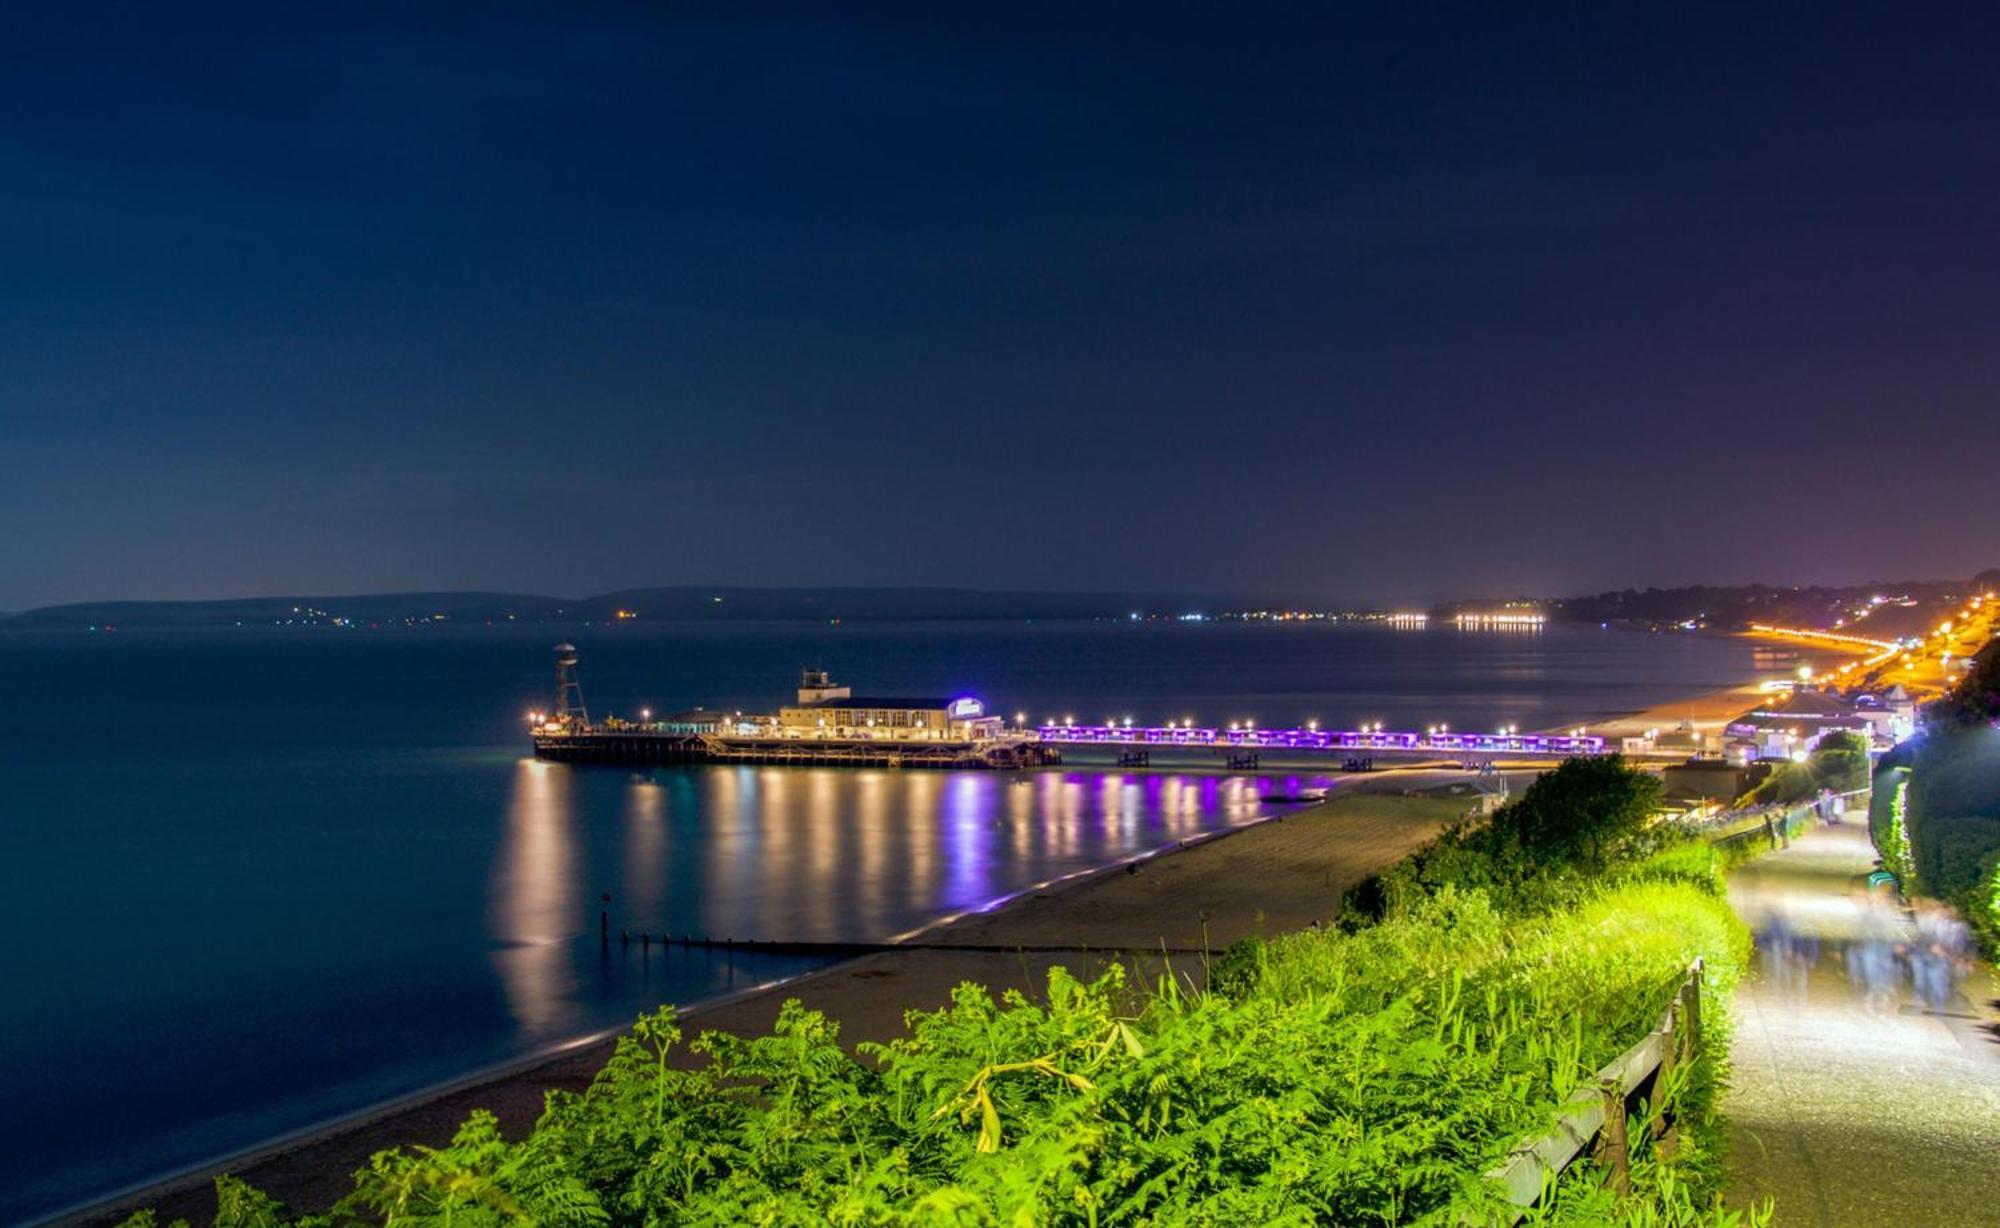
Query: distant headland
(1687, 607)
(682, 603)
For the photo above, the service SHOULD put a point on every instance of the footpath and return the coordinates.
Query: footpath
(1851, 1103)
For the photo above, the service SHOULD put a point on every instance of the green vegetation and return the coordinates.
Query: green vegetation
(1888, 824)
(1975, 700)
(1940, 831)
(1365, 1077)
(1540, 849)
(1952, 815)
(1839, 764)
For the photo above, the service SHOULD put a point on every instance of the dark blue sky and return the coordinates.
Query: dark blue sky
(1393, 300)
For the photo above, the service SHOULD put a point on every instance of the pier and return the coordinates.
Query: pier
(830, 726)
(1246, 742)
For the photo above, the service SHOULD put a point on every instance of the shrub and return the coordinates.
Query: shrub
(1839, 763)
(1888, 825)
(1939, 829)
(1579, 812)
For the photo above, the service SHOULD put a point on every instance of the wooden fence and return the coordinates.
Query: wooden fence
(1600, 1114)
(1778, 826)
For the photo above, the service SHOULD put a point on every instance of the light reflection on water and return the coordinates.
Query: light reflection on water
(806, 854)
(798, 854)
(535, 901)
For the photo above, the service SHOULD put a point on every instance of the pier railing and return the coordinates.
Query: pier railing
(1629, 1091)
(1442, 742)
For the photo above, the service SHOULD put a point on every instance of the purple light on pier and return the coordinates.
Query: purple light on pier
(1325, 739)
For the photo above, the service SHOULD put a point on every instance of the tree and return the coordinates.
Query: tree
(1578, 812)
(1975, 700)
(1840, 762)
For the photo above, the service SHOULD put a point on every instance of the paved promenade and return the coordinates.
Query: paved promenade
(1849, 1111)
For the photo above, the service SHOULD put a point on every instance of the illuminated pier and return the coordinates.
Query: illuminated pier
(1436, 741)
(828, 725)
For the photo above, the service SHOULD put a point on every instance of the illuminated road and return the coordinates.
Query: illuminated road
(1847, 1113)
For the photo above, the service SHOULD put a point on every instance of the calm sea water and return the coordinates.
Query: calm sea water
(253, 879)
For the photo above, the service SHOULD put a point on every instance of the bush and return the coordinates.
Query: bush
(1576, 814)
(1538, 852)
(1837, 764)
(1948, 840)
(1888, 825)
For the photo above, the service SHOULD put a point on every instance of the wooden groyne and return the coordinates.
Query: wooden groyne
(635, 747)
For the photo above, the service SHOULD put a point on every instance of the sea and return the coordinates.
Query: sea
(253, 879)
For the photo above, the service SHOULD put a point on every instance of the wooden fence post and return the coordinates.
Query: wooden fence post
(1595, 1111)
(1694, 1009)
(1614, 1149)
(1666, 1135)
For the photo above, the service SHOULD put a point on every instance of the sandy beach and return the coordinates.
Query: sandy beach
(1710, 712)
(1282, 874)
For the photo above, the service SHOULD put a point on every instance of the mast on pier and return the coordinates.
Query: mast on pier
(569, 707)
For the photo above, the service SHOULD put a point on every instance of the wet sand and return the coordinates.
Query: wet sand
(1283, 874)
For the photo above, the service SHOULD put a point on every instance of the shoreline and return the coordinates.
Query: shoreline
(1710, 711)
(1085, 911)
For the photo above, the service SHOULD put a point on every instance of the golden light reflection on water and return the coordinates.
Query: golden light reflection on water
(643, 883)
(536, 899)
(784, 853)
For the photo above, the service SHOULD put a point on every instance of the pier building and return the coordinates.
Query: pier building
(828, 725)
(827, 710)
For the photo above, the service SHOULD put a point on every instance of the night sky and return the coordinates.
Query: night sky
(1407, 300)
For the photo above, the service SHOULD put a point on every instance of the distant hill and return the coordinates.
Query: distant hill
(719, 602)
(679, 603)
(1736, 607)
(265, 611)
